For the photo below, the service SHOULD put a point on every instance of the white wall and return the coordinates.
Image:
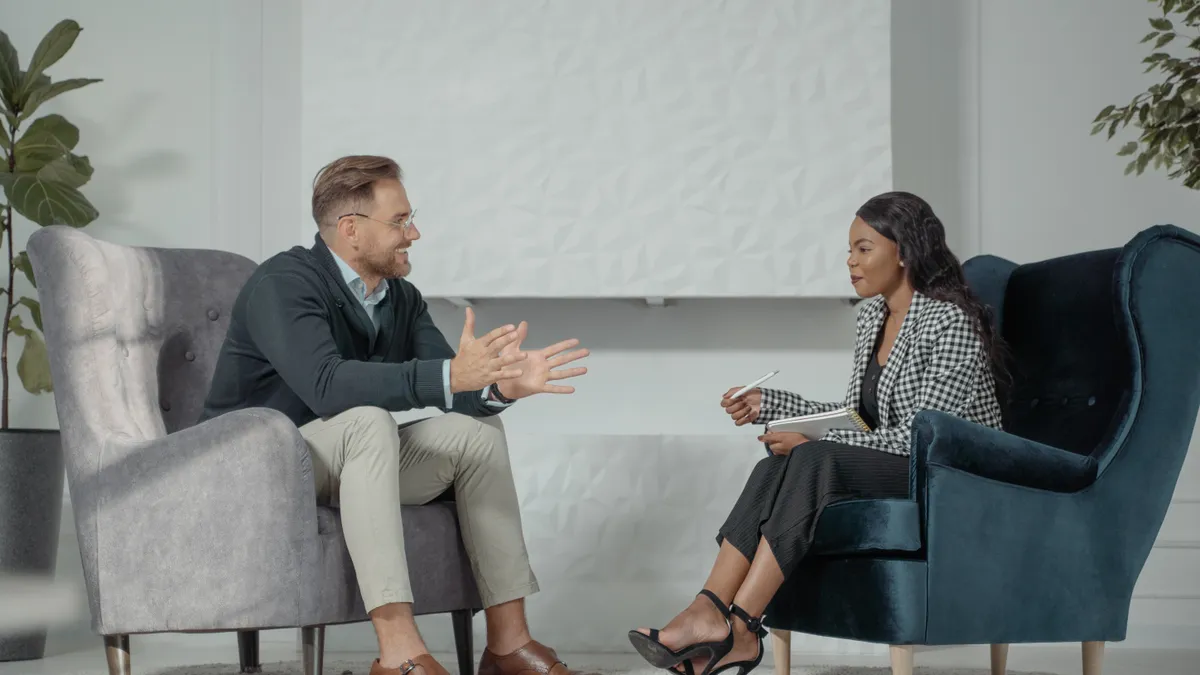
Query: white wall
(679, 148)
(992, 106)
(1048, 188)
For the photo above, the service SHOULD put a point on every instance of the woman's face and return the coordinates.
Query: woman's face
(874, 261)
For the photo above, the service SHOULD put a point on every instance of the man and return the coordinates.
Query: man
(336, 338)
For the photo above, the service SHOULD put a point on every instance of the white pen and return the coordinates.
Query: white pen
(755, 383)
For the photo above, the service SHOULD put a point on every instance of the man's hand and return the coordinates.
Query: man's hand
(479, 361)
(538, 367)
(782, 442)
(744, 409)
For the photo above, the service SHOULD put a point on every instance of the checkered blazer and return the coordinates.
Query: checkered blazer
(937, 362)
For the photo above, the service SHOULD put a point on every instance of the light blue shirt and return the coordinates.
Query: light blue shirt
(370, 303)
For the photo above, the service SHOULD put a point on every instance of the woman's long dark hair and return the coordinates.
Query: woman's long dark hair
(933, 270)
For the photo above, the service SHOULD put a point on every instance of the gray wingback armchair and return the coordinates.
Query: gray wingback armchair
(187, 527)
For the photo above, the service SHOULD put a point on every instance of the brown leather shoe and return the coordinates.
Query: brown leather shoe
(427, 664)
(534, 658)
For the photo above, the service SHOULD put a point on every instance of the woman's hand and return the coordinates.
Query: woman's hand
(745, 408)
(782, 442)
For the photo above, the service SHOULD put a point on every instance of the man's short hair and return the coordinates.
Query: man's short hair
(347, 185)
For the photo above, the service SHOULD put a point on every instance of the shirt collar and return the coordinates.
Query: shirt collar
(356, 283)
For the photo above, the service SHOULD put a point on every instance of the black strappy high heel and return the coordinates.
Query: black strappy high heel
(662, 656)
(756, 627)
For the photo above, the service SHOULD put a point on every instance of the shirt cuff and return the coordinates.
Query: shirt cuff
(487, 398)
(446, 384)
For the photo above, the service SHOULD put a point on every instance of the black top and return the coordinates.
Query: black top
(299, 342)
(868, 407)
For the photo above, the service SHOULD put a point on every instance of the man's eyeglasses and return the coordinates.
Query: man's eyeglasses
(408, 222)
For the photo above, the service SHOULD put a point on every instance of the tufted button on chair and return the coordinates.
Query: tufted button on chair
(188, 527)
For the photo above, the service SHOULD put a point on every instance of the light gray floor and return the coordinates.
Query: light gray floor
(165, 651)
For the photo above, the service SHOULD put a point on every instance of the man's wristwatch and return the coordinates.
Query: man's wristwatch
(497, 396)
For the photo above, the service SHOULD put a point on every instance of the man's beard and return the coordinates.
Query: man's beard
(391, 268)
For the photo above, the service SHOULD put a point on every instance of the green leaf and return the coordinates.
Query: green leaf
(1112, 128)
(1127, 149)
(1168, 5)
(1129, 111)
(5, 141)
(53, 47)
(21, 262)
(1130, 167)
(1193, 179)
(1164, 39)
(34, 365)
(1105, 113)
(10, 72)
(1149, 37)
(72, 170)
(1097, 128)
(47, 139)
(35, 310)
(42, 94)
(1161, 23)
(1141, 163)
(1152, 152)
(47, 202)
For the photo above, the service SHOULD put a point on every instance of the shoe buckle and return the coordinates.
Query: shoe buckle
(407, 667)
(755, 624)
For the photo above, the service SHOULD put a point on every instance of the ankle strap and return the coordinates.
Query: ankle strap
(752, 623)
(716, 601)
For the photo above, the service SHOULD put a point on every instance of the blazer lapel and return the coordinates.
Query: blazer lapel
(868, 327)
(895, 362)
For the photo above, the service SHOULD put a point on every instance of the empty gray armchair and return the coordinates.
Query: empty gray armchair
(198, 527)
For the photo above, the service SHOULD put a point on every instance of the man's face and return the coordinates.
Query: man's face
(382, 242)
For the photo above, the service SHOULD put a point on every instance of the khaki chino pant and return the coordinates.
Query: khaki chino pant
(368, 467)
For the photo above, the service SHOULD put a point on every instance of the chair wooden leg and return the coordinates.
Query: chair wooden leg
(1093, 657)
(312, 645)
(902, 659)
(248, 651)
(999, 659)
(116, 649)
(781, 650)
(464, 638)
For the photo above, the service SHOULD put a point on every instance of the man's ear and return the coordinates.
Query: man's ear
(347, 227)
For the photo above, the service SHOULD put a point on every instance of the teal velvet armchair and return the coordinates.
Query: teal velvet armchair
(1036, 533)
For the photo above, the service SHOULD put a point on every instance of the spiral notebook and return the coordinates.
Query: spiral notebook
(818, 424)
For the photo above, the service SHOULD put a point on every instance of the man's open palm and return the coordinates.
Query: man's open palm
(540, 367)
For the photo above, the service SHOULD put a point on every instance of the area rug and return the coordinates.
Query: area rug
(359, 668)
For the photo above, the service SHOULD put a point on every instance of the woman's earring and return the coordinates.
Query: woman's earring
(902, 263)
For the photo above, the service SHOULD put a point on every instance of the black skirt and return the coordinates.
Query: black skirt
(785, 495)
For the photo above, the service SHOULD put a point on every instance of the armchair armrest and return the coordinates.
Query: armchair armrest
(946, 440)
(212, 520)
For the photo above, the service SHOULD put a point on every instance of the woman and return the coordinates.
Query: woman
(923, 342)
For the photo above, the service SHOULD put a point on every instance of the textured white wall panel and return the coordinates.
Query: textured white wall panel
(612, 149)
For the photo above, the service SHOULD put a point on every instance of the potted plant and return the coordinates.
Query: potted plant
(1168, 112)
(41, 176)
